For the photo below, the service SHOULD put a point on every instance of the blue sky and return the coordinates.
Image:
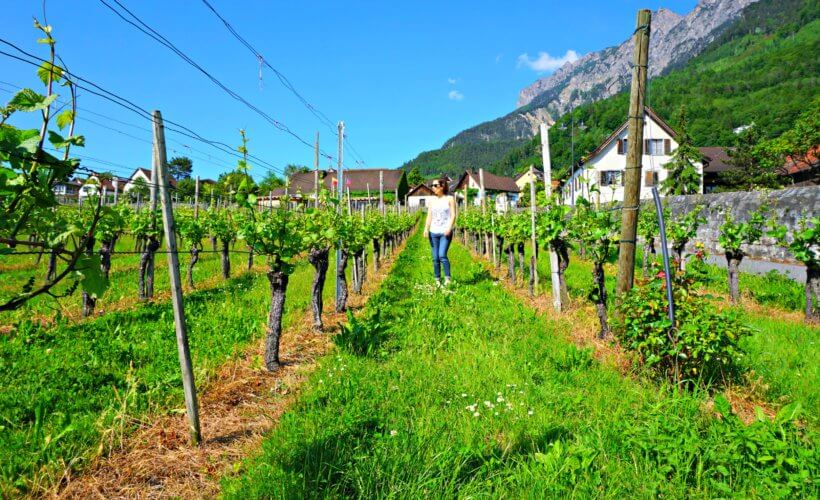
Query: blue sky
(404, 77)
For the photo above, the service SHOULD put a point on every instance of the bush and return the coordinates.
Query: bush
(703, 346)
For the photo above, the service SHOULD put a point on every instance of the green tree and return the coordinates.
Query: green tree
(755, 166)
(186, 188)
(291, 169)
(683, 174)
(180, 167)
(804, 244)
(414, 176)
(270, 182)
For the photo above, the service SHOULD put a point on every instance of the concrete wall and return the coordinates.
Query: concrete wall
(788, 205)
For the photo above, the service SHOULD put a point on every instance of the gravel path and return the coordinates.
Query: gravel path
(754, 266)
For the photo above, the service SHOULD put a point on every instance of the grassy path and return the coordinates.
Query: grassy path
(469, 393)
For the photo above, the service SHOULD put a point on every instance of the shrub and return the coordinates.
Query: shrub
(702, 347)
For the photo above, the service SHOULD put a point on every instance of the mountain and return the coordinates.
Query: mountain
(674, 40)
(758, 70)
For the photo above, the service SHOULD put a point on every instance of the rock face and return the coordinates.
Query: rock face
(674, 40)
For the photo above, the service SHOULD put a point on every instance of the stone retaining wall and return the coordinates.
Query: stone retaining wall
(788, 206)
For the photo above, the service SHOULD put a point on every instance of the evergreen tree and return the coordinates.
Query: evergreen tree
(752, 169)
(180, 167)
(683, 174)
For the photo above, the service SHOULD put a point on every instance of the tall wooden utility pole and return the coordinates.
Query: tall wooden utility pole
(340, 190)
(161, 179)
(316, 171)
(557, 303)
(634, 153)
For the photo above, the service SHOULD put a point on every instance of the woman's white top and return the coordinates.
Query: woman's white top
(440, 213)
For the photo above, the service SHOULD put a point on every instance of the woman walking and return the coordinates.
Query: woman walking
(441, 217)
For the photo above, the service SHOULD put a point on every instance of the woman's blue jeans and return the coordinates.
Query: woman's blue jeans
(440, 243)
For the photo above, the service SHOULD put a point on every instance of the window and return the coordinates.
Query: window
(611, 178)
(657, 147)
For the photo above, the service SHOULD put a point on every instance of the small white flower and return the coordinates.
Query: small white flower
(394, 432)
(499, 399)
(496, 414)
(529, 412)
(476, 414)
(463, 395)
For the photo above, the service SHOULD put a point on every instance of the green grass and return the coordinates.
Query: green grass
(781, 352)
(401, 421)
(65, 385)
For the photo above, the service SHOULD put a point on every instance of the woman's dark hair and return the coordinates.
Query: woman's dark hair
(443, 182)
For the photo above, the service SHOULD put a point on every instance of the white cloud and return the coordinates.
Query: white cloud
(498, 58)
(451, 81)
(545, 62)
(455, 95)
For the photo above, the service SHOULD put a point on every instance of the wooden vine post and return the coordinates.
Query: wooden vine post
(534, 240)
(545, 158)
(161, 181)
(634, 153)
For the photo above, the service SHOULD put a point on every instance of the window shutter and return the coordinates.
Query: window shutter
(646, 147)
(620, 146)
(649, 179)
(667, 147)
(599, 177)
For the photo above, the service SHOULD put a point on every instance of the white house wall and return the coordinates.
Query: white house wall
(609, 160)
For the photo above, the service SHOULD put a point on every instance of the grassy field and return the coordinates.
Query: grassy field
(469, 393)
(781, 352)
(70, 388)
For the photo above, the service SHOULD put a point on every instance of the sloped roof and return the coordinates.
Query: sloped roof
(421, 190)
(356, 179)
(715, 159)
(147, 173)
(492, 182)
(795, 165)
(648, 111)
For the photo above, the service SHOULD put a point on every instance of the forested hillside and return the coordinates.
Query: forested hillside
(762, 70)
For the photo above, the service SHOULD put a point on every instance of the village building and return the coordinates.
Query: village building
(503, 191)
(362, 183)
(604, 169)
(525, 178)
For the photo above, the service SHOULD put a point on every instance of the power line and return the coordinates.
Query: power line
(150, 32)
(282, 79)
(138, 110)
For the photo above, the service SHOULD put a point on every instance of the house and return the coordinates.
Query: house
(801, 170)
(68, 189)
(503, 190)
(144, 175)
(604, 168)
(363, 184)
(96, 183)
(420, 196)
(525, 178)
(715, 161)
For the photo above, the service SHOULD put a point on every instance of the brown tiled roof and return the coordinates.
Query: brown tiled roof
(421, 190)
(355, 179)
(715, 159)
(492, 182)
(796, 165)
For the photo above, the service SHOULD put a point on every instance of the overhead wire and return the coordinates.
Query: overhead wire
(125, 103)
(155, 35)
